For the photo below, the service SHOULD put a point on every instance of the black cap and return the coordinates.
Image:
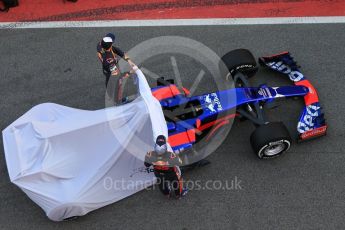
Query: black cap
(161, 140)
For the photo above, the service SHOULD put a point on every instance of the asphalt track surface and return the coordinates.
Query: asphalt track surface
(303, 189)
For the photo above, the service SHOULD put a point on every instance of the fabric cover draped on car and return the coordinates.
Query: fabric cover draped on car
(72, 161)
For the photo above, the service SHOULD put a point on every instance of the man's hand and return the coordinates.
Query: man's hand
(127, 74)
(130, 62)
(134, 66)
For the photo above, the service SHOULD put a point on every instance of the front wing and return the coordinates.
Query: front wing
(311, 122)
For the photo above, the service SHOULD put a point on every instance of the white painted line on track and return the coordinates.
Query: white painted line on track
(173, 22)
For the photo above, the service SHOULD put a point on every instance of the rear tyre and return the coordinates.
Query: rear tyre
(270, 140)
(240, 60)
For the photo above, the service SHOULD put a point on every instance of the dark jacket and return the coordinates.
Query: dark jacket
(106, 56)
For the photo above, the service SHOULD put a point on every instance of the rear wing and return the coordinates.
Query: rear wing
(311, 122)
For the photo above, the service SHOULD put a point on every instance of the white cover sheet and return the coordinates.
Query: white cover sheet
(72, 161)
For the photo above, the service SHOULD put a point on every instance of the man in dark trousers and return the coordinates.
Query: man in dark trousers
(166, 168)
(109, 55)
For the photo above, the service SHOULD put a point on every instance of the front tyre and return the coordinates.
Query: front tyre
(270, 140)
(240, 60)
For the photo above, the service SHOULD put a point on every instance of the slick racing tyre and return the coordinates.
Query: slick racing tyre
(270, 140)
(240, 60)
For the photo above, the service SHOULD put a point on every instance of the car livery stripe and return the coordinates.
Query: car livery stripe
(312, 96)
(314, 133)
(212, 123)
(166, 92)
(186, 91)
(218, 126)
(182, 138)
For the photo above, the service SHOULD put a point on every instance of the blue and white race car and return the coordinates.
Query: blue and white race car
(188, 116)
(70, 161)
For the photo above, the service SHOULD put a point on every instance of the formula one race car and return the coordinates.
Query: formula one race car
(186, 116)
(69, 161)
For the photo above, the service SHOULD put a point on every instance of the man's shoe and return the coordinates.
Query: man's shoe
(183, 193)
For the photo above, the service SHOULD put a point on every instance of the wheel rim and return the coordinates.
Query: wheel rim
(274, 149)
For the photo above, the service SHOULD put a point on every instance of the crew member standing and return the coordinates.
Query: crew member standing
(109, 54)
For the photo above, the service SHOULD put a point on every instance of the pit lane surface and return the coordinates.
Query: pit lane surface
(303, 189)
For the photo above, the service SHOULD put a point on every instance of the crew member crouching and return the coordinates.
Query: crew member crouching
(166, 168)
